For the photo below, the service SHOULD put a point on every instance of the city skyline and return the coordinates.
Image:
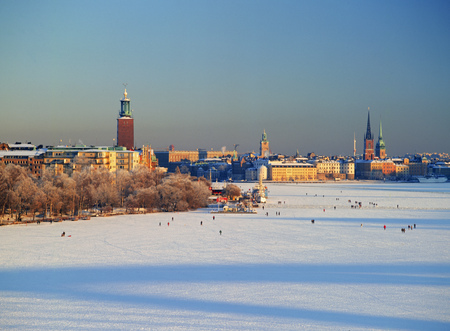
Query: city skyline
(211, 74)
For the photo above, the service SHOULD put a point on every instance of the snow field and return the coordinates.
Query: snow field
(263, 273)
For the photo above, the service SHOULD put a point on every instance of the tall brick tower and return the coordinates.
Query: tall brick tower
(368, 142)
(380, 148)
(125, 124)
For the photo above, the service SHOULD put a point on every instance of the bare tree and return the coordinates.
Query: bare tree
(24, 190)
(147, 198)
(83, 189)
(67, 190)
(12, 175)
(123, 184)
(52, 193)
(3, 187)
(179, 192)
(106, 196)
(38, 202)
(142, 177)
(199, 195)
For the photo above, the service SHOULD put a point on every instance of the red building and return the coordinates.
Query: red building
(125, 124)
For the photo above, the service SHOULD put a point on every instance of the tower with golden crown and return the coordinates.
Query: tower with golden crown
(125, 124)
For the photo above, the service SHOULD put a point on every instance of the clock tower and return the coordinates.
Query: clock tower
(125, 124)
(264, 146)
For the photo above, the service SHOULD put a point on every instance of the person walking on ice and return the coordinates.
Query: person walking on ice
(220, 232)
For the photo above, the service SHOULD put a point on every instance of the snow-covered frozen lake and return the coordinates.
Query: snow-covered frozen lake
(275, 272)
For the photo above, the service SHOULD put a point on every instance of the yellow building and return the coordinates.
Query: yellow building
(60, 160)
(68, 160)
(95, 159)
(127, 160)
(402, 170)
(292, 171)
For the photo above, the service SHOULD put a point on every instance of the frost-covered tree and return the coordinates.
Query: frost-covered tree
(11, 177)
(24, 191)
(52, 193)
(147, 198)
(124, 185)
(232, 191)
(106, 196)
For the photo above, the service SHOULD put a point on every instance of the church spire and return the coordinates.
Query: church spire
(368, 141)
(381, 132)
(380, 149)
(368, 131)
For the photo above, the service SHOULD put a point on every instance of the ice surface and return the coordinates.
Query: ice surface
(263, 273)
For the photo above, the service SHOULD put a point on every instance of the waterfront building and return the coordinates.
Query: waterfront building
(401, 170)
(440, 168)
(377, 169)
(418, 167)
(368, 142)
(348, 168)
(327, 167)
(332, 169)
(125, 124)
(291, 171)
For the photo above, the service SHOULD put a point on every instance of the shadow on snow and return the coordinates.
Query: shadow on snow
(66, 282)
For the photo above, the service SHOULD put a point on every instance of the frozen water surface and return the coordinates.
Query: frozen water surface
(263, 273)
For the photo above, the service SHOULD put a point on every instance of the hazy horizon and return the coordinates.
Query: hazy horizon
(206, 74)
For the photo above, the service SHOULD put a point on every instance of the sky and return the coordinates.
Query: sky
(207, 74)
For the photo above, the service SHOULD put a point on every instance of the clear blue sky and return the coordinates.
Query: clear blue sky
(207, 74)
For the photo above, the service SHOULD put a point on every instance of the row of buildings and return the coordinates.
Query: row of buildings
(219, 165)
(69, 159)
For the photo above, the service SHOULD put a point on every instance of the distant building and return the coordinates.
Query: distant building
(342, 169)
(377, 169)
(251, 174)
(440, 168)
(401, 170)
(62, 159)
(291, 171)
(125, 124)
(172, 156)
(147, 157)
(418, 167)
(368, 142)
(30, 159)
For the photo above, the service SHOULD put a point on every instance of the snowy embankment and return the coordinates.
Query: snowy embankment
(263, 272)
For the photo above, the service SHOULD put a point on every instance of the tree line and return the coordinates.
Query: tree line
(58, 195)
